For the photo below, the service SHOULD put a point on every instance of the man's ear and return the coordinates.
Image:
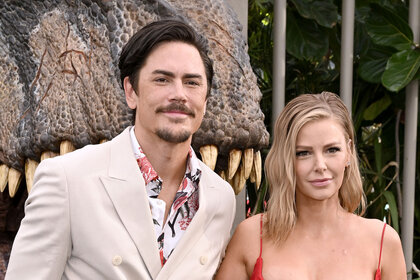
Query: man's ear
(205, 107)
(130, 94)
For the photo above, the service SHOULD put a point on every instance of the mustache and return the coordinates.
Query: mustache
(176, 107)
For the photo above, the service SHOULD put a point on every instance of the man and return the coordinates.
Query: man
(141, 206)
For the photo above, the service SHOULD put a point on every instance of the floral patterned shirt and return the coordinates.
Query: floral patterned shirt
(183, 208)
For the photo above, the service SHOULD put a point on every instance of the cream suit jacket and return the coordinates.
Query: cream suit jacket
(88, 217)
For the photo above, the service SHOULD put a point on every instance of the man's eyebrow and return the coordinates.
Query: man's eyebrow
(163, 72)
(188, 75)
(171, 74)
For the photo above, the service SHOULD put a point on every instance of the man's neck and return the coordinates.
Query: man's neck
(169, 160)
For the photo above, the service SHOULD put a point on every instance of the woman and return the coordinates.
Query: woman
(310, 230)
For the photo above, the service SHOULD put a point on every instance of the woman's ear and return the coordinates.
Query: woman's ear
(349, 151)
(130, 94)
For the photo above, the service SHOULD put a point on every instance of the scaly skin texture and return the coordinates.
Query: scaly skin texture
(59, 80)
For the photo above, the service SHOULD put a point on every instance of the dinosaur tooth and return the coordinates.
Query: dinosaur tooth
(30, 166)
(247, 161)
(222, 174)
(209, 155)
(252, 175)
(234, 161)
(48, 154)
(238, 182)
(257, 166)
(66, 147)
(13, 181)
(4, 174)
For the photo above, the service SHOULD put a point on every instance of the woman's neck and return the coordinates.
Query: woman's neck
(320, 218)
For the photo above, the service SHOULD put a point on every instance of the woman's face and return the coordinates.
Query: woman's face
(322, 153)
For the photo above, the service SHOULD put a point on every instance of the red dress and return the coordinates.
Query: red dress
(257, 272)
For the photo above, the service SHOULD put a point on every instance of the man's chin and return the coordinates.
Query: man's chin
(173, 137)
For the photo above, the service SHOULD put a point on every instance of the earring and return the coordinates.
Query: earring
(348, 163)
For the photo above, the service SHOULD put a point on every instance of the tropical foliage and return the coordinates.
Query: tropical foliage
(385, 61)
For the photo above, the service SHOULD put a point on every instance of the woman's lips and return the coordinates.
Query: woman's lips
(320, 182)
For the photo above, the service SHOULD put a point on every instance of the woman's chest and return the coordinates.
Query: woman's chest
(320, 262)
(309, 271)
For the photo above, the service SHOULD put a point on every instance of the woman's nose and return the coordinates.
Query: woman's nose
(320, 164)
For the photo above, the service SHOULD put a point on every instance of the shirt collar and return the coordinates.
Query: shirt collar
(146, 168)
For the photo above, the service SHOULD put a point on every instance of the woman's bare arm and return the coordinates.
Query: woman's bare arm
(393, 263)
(245, 242)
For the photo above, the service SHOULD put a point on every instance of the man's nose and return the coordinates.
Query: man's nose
(178, 92)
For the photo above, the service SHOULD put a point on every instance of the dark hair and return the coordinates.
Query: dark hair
(139, 46)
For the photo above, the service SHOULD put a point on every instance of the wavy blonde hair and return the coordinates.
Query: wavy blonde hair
(279, 166)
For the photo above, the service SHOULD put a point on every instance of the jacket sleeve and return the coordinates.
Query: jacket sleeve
(43, 243)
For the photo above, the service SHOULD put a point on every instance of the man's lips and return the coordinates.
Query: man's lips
(320, 182)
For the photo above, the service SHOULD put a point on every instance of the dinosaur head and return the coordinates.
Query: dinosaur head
(59, 85)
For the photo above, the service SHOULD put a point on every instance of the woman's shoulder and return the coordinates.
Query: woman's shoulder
(242, 250)
(376, 229)
(388, 241)
(245, 244)
(247, 232)
(249, 227)
(369, 224)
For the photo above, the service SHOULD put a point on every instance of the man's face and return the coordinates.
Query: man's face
(171, 93)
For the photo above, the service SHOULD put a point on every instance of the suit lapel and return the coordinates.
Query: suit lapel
(125, 187)
(197, 226)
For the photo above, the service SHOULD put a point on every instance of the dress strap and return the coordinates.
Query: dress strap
(261, 232)
(382, 242)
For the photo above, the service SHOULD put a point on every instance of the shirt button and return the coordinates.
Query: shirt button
(203, 260)
(116, 260)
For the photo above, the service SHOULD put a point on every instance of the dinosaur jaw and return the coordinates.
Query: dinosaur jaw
(242, 165)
